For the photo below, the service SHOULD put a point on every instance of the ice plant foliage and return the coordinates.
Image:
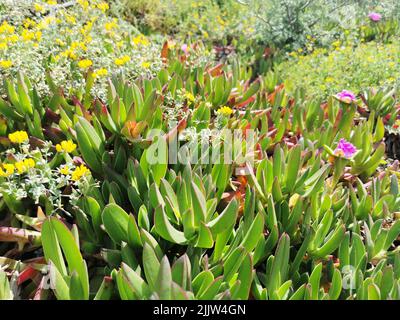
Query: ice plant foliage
(114, 179)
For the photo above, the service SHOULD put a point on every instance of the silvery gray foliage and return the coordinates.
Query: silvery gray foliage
(288, 22)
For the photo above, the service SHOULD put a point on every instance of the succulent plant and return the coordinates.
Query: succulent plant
(313, 216)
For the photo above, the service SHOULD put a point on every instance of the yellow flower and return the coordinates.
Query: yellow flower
(38, 35)
(226, 111)
(66, 146)
(9, 169)
(13, 38)
(27, 35)
(141, 39)
(146, 65)
(6, 28)
(85, 63)
(18, 137)
(20, 166)
(30, 163)
(121, 61)
(70, 54)
(2, 173)
(5, 64)
(51, 2)
(38, 7)
(24, 165)
(79, 172)
(189, 96)
(84, 4)
(329, 79)
(29, 23)
(110, 25)
(60, 42)
(64, 170)
(100, 73)
(103, 6)
(70, 19)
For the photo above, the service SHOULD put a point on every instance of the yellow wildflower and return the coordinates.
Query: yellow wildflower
(84, 4)
(2, 173)
(27, 35)
(121, 61)
(79, 172)
(88, 39)
(141, 39)
(9, 168)
(85, 63)
(69, 53)
(100, 73)
(226, 111)
(66, 146)
(18, 137)
(5, 64)
(70, 19)
(20, 167)
(13, 38)
(64, 170)
(5, 27)
(103, 6)
(24, 165)
(51, 2)
(60, 42)
(38, 35)
(146, 65)
(189, 96)
(30, 163)
(29, 23)
(38, 7)
(110, 25)
(329, 79)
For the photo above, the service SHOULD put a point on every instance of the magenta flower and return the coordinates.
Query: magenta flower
(185, 48)
(346, 96)
(374, 16)
(345, 149)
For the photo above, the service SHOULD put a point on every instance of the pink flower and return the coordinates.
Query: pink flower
(185, 48)
(374, 16)
(346, 96)
(345, 149)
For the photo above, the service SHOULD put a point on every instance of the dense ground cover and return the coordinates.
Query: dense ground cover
(120, 178)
